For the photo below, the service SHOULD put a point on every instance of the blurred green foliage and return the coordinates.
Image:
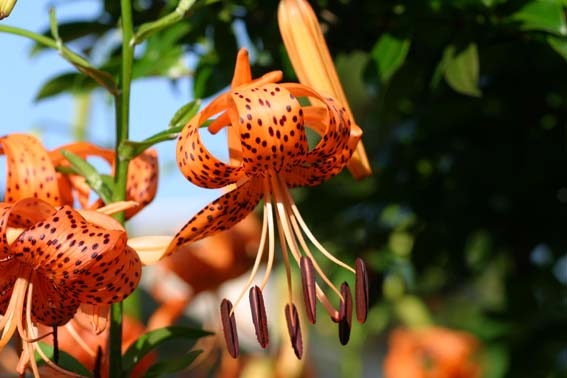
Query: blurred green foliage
(464, 107)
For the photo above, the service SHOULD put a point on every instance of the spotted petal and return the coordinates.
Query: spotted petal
(30, 171)
(221, 214)
(196, 163)
(90, 263)
(9, 271)
(142, 180)
(22, 214)
(270, 121)
(51, 305)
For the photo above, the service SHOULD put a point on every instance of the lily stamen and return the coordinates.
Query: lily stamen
(78, 339)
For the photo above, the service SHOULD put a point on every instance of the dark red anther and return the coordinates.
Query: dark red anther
(259, 316)
(294, 329)
(345, 314)
(229, 328)
(361, 290)
(308, 284)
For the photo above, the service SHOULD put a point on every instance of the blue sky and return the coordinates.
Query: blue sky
(154, 101)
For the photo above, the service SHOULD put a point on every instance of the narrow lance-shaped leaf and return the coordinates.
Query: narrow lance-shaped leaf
(101, 77)
(151, 340)
(66, 361)
(128, 150)
(89, 172)
(389, 54)
(150, 28)
(172, 365)
(462, 72)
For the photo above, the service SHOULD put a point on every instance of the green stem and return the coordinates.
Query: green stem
(122, 105)
(46, 41)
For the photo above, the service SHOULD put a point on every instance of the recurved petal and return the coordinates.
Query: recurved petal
(142, 180)
(83, 150)
(92, 264)
(70, 184)
(15, 217)
(196, 163)
(219, 215)
(51, 305)
(270, 123)
(30, 171)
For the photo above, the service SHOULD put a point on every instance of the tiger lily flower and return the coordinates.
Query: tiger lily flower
(54, 260)
(270, 125)
(32, 173)
(312, 62)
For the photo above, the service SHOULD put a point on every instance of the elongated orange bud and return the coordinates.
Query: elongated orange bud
(314, 66)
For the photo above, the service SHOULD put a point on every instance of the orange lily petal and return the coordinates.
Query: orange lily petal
(265, 132)
(9, 273)
(30, 172)
(210, 172)
(142, 175)
(83, 150)
(50, 304)
(21, 214)
(142, 180)
(90, 263)
(312, 62)
(219, 215)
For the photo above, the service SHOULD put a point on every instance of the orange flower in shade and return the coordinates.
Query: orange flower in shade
(270, 124)
(77, 339)
(431, 352)
(32, 173)
(312, 62)
(53, 260)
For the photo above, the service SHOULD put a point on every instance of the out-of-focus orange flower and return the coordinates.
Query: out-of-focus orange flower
(431, 352)
(204, 266)
(53, 260)
(312, 62)
(31, 172)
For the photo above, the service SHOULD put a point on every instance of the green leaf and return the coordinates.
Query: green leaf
(130, 149)
(66, 361)
(103, 78)
(559, 45)
(151, 340)
(184, 114)
(152, 27)
(89, 172)
(389, 54)
(67, 82)
(542, 15)
(448, 55)
(173, 365)
(462, 71)
(164, 54)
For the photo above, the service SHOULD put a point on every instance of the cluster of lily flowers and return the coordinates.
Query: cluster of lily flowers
(57, 260)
